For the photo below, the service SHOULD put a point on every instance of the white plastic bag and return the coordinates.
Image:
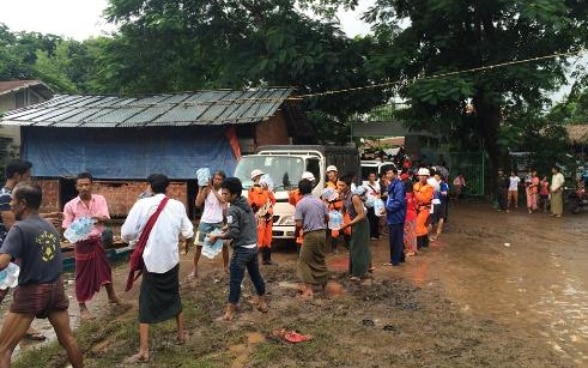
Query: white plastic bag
(379, 207)
(211, 250)
(203, 176)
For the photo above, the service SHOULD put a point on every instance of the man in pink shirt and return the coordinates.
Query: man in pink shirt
(92, 267)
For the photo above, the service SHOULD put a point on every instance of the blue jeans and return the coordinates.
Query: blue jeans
(396, 243)
(244, 258)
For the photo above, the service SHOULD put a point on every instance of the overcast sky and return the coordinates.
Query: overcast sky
(81, 19)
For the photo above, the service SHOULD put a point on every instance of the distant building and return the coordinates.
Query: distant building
(15, 95)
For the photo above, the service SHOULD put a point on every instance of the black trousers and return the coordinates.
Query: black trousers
(374, 223)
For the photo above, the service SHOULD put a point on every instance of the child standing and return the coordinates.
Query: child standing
(544, 193)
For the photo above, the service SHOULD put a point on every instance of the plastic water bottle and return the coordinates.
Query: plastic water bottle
(9, 276)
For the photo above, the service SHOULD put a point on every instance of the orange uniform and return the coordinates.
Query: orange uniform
(293, 198)
(423, 195)
(262, 201)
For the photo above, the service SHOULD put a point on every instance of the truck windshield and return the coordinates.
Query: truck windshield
(285, 171)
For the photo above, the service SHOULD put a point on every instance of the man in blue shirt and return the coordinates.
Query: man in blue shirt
(395, 216)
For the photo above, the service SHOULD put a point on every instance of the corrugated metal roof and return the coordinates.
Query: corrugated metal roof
(184, 109)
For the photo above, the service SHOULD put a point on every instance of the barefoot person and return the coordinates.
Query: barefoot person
(159, 299)
(35, 243)
(17, 171)
(311, 217)
(212, 217)
(242, 232)
(359, 245)
(92, 267)
(262, 200)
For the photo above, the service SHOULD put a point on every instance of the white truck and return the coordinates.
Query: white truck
(285, 165)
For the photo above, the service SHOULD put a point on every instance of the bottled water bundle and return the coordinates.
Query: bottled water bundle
(79, 229)
(9, 276)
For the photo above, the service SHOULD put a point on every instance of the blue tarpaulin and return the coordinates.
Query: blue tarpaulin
(127, 153)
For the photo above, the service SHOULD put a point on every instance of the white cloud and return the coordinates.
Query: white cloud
(77, 19)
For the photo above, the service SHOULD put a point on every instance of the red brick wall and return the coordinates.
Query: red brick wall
(120, 196)
(51, 196)
(272, 131)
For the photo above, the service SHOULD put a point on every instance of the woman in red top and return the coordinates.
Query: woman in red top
(410, 237)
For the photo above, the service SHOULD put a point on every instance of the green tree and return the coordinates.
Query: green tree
(168, 46)
(429, 37)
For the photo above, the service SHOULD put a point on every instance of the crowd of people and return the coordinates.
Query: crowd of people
(540, 194)
(409, 205)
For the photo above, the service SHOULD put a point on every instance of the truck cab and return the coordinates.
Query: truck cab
(285, 165)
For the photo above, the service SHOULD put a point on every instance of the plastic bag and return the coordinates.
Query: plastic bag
(9, 276)
(379, 207)
(203, 176)
(79, 229)
(211, 250)
(335, 220)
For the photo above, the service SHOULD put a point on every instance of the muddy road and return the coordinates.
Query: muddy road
(497, 289)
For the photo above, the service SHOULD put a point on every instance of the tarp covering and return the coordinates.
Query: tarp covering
(127, 153)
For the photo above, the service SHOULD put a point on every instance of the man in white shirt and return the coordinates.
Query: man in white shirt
(212, 217)
(557, 185)
(159, 298)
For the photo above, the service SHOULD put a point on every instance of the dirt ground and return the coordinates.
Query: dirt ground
(496, 290)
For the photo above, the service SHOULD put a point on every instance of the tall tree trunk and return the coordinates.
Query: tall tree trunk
(488, 115)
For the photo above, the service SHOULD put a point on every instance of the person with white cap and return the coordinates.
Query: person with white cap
(332, 176)
(423, 195)
(262, 201)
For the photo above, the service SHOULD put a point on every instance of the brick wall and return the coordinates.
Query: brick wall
(120, 196)
(272, 131)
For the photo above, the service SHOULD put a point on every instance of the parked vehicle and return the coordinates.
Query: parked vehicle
(377, 166)
(578, 198)
(285, 165)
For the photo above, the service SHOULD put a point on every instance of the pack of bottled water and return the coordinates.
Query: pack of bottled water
(267, 181)
(335, 220)
(209, 249)
(79, 229)
(330, 194)
(9, 276)
(203, 176)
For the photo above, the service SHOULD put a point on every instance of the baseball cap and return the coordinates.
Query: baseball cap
(332, 168)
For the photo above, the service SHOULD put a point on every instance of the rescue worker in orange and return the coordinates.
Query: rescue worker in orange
(332, 179)
(423, 195)
(294, 197)
(262, 200)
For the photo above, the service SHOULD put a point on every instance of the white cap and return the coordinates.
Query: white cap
(308, 176)
(332, 168)
(423, 172)
(255, 173)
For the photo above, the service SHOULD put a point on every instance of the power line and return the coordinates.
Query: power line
(442, 75)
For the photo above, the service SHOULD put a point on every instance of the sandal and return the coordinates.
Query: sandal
(35, 336)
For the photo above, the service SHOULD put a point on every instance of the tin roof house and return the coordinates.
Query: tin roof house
(128, 138)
